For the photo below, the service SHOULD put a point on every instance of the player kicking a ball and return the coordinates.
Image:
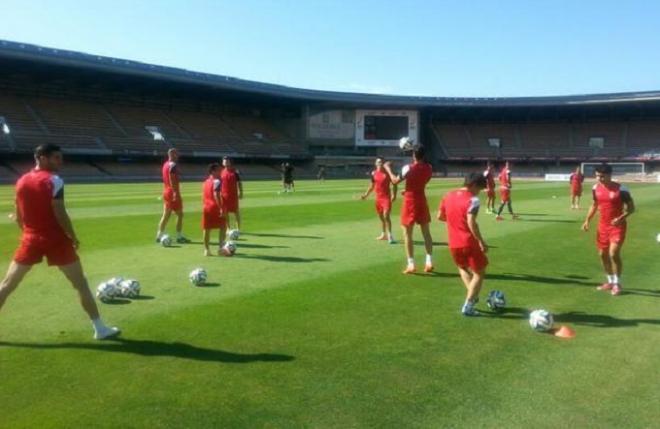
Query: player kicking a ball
(232, 190)
(172, 201)
(415, 209)
(380, 183)
(213, 215)
(47, 231)
(576, 180)
(505, 192)
(615, 204)
(459, 209)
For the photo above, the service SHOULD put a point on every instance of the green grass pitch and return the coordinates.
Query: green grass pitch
(312, 324)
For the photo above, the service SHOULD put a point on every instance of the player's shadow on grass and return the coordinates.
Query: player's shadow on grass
(254, 234)
(209, 285)
(118, 301)
(242, 244)
(575, 317)
(642, 292)
(421, 243)
(144, 298)
(524, 278)
(532, 214)
(548, 220)
(272, 258)
(160, 348)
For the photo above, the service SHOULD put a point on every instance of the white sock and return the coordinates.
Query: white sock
(429, 259)
(411, 261)
(98, 324)
(610, 278)
(615, 279)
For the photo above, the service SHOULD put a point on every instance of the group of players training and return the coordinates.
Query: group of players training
(459, 209)
(47, 230)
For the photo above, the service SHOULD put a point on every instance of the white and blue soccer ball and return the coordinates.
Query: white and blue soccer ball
(406, 143)
(541, 320)
(233, 234)
(496, 300)
(106, 291)
(198, 276)
(115, 281)
(229, 249)
(129, 288)
(166, 240)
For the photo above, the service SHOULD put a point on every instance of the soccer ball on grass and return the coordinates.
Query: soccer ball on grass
(233, 234)
(198, 277)
(229, 249)
(165, 241)
(106, 291)
(541, 320)
(129, 288)
(496, 300)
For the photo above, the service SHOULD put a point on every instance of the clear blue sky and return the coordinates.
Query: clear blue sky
(442, 48)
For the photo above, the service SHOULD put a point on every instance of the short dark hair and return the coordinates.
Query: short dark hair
(419, 152)
(46, 150)
(213, 166)
(475, 179)
(604, 169)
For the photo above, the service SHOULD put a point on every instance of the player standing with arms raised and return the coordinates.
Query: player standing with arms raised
(576, 180)
(380, 183)
(232, 190)
(213, 215)
(415, 209)
(489, 174)
(47, 231)
(615, 204)
(172, 201)
(505, 192)
(459, 209)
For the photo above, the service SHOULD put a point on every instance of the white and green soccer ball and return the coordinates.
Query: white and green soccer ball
(106, 291)
(198, 276)
(129, 288)
(233, 234)
(229, 249)
(496, 300)
(165, 241)
(406, 143)
(541, 320)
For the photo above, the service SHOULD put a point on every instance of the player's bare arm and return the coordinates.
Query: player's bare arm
(628, 209)
(395, 189)
(64, 221)
(18, 217)
(474, 228)
(174, 182)
(218, 201)
(590, 215)
(393, 177)
(240, 189)
(367, 192)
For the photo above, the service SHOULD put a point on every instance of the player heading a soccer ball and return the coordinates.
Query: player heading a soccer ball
(415, 209)
(172, 201)
(459, 209)
(614, 203)
(47, 231)
(385, 192)
(213, 214)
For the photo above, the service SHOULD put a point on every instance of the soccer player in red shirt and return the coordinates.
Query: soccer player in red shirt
(232, 190)
(380, 183)
(415, 209)
(505, 191)
(615, 204)
(213, 216)
(576, 180)
(47, 231)
(172, 201)
(459, 210)
(489, 174)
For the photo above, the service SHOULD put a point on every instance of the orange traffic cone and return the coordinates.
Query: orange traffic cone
(565, 332)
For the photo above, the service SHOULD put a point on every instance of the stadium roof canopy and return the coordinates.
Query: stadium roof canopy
(42, 56)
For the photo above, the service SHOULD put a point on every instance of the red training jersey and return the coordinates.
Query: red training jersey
(211, 189)
(381, 181)
(576, 180)
(35, 192)
(490, 179)
(505, 178)
(417, 175)
(610, 200)
(230, 179)
(170, 167)
(454, 210)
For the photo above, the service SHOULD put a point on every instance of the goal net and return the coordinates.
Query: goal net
(632, 170)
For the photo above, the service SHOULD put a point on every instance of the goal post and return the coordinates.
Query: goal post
(631, 169)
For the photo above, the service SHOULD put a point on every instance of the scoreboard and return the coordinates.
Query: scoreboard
(385, 127)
